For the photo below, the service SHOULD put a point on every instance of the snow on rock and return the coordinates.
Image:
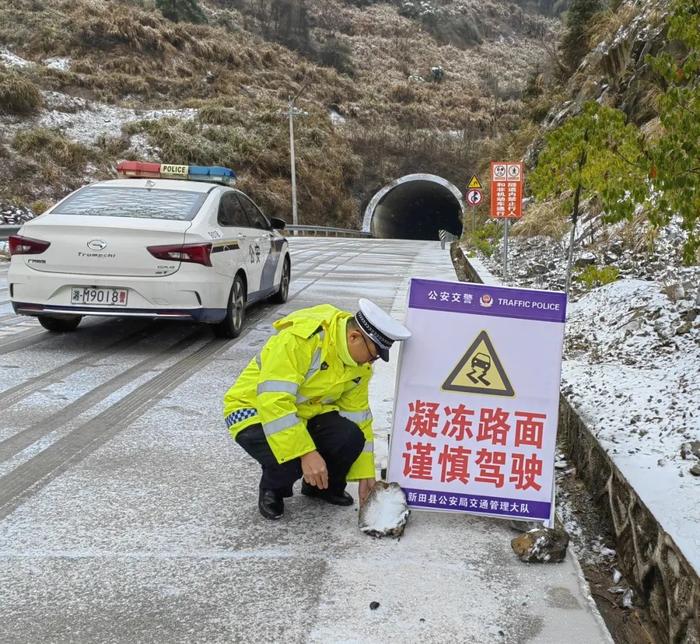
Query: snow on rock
(12, 60)
(61, 64)
(634, 322)
(633, 373)
(541, 545)
(385, 512)
(14, 215)
(336, 118)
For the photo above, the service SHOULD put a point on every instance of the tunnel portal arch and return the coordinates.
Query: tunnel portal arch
(415, 206)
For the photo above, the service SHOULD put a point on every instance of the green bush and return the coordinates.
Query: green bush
(217, 115)
(181, 10)
(593, 276)
(482, 240)
(18, 95)
(337, 54)
(52, 148)
(578, 22)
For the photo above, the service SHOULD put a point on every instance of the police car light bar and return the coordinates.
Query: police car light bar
(146, 170)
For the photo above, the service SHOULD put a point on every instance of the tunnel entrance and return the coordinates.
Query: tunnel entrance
(415, 206)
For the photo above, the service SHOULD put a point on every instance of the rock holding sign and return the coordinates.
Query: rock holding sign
(385, 512)
(544, 545)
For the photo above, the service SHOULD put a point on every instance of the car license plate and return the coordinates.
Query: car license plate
(98, 296)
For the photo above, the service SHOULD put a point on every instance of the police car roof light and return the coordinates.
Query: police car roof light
(211, 173)
(146, 170)
(139, 169)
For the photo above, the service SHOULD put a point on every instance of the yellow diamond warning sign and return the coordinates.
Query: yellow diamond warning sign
(474, 183)
(480, 371)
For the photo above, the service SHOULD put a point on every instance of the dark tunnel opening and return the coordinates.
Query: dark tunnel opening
(417, 209)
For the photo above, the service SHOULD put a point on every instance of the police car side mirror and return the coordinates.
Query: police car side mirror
(277, 223)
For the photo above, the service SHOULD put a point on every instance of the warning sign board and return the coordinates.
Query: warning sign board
(477, 399)
(474, 184)
(480, 371)
(506, 190)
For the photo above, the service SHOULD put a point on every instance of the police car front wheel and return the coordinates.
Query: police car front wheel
(232, 325)
(280, 297)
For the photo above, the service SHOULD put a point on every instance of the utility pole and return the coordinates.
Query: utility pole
(574, 214)
(291, 112)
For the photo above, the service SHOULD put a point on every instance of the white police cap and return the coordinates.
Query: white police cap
(380, 327)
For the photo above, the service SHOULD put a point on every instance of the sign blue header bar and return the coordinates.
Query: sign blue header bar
(480, 299)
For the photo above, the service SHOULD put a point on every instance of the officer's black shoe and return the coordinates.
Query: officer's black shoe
(329, 496)
(271, 504)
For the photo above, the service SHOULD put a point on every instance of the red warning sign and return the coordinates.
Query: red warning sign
(506, 189)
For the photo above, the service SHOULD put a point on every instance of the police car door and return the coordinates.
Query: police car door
(231, 252)
(267, 262)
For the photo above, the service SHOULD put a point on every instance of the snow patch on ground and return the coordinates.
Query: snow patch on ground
(336, 118)
(12, 60)
(81, 120)
(634, 322)
(61, 64)
(88, 122)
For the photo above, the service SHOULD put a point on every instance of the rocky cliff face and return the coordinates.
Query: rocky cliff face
(615, 72)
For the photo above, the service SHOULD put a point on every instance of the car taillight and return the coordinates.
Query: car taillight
(195, 253)
(26, 245)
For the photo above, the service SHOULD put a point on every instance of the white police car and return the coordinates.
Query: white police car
(164, 241)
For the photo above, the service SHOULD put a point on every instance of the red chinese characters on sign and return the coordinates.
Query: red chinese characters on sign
(506, 190)
(524, 470)
(423, 419)
(418, 461)
(490, 464)
(458, 424)
(493, 426)
(455, 464)
(529, 428)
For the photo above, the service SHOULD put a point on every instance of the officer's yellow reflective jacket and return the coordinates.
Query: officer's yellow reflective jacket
(303, 371)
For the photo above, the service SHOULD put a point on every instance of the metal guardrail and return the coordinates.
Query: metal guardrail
(324, 231)
(315, 231)
(6, 231)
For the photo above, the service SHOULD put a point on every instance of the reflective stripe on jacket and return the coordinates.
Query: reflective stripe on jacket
(303, 371)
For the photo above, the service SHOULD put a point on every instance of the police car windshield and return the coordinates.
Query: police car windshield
(178, 205)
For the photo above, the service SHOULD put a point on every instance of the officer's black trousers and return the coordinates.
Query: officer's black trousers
(337, 439)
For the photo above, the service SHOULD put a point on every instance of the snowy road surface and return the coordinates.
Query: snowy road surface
(128, 515)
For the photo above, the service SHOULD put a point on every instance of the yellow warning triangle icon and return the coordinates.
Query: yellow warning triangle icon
(480, 371)
(474, 183)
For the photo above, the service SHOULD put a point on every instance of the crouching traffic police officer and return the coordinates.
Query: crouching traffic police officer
(301, 408)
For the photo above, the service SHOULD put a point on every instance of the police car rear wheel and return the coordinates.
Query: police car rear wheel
(232, 325)
(60, 325)
(281, 296)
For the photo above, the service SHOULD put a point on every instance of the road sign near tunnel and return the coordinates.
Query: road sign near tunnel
(474, 183)
(474, 197)
(507, 179)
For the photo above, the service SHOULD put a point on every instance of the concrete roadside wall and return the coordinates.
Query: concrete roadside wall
(649, 558)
